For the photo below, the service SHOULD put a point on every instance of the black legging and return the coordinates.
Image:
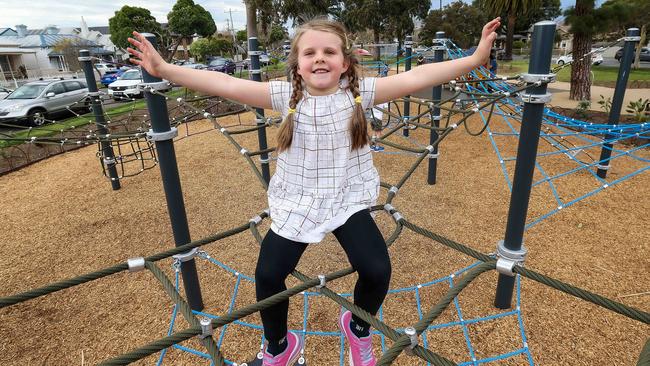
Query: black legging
(366, 251)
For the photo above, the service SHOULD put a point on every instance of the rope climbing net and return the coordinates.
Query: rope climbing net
(459, 107)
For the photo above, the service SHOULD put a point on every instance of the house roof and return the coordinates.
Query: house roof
(7, 32)
(50, 40)
(102, 30)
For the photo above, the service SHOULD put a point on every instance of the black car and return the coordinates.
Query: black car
(645, 54)
(222, 65)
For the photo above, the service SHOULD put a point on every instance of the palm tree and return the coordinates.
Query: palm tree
(512, 9)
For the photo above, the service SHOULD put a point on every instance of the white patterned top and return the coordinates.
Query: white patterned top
(319, 182)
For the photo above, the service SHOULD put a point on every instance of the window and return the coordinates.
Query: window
(73, 85)
(57, 88)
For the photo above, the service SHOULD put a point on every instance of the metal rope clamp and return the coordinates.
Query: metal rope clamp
(256, 220)
(322, 283)
(135, 264)
(507, 259)
(206, 328)
(632, 39)
(536, 98)
(188, 256)
(533, 78)
(84, 58)
(162, 136)
(413, 335)
(602, 167)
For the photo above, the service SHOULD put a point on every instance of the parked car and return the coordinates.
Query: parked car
(110, 76)
(37, 101)
(265, 60)
(222, 65)
(194, 66)
(596, 59)
(644, 55)
(4, 92)
(102, 68)
(127, 86)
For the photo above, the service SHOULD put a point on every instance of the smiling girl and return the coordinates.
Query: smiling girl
(325, 180)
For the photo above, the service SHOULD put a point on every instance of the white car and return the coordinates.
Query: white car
(102, 68)
(127, 86)
(596, 59)
(4, 92)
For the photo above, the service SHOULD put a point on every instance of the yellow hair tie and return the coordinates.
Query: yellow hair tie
(292, 111)
(357, 100)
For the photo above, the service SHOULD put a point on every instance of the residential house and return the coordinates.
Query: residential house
(26, 54)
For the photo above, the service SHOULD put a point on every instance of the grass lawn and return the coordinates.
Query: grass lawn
(602, 74)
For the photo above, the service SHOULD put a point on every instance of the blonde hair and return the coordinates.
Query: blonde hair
(358, 127)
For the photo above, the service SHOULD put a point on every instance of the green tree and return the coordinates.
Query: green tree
(241, 36)
(187, 19)
(129, 19)
(635, 13)
(461, 22)
(69, 49)
(513, 9)
(400, 24)
(585, 21)
(203, 47)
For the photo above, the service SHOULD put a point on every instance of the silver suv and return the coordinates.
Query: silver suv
(35, 101)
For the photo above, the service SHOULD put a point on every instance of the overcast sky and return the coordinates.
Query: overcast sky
(68, 13)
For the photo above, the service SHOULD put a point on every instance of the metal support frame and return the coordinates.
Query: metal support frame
(631, 41)
(256, 75)
(408, 44)
(540, 62)
(436, 96)
(98, 112)
(157, 106)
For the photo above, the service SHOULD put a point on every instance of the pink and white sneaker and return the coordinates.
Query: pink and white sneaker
(289, 356)
(361, 353)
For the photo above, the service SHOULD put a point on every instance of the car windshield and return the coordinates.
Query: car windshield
(131, 75)
(27, 92)
(110, 72)
(218, 62)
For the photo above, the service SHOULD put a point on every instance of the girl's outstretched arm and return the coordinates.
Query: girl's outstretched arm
(209, 82)
(428, 75)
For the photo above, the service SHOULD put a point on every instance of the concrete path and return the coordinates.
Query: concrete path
(560, 91)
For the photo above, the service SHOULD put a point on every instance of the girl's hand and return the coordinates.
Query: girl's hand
(488, 35)
(146, 55)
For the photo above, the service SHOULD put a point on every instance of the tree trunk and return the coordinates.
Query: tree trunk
(637, 53)
(375, 34)
(510, 36)
(581, 68)
(185, 53)
(251, 18)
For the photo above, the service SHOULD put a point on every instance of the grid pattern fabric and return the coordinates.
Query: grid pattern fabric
(319, 182)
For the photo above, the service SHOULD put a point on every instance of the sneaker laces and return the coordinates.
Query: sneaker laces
(365, 348)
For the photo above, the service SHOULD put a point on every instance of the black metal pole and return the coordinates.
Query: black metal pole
(108, 155)
(534, 99)
(256, 74)
(163, 135)
(632, 39)
(408, 44)
(436, 95)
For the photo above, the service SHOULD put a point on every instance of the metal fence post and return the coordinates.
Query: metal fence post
(436, 95)
(511, 251)
(163, 135)
(633, 36)
(408, 44)
(93, 93)
(256, 74)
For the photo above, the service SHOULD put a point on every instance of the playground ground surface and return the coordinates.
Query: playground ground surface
(60, 219)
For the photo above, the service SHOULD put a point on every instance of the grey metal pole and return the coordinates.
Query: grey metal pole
(511, 250)
(436, 95)
(633, 36)
(100, 121)
(256, 74)
(163, 135)
(408, 44)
